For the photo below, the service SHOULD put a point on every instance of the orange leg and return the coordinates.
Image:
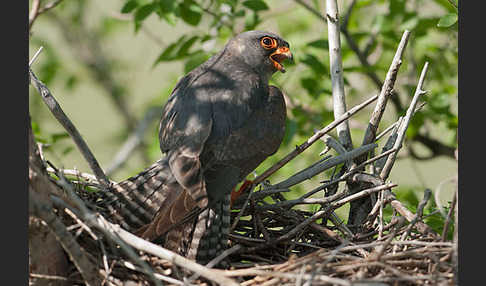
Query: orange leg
(235, 194)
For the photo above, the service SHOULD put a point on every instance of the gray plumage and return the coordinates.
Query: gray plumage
(220, 122)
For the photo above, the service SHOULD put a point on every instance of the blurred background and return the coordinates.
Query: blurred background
(112, 64)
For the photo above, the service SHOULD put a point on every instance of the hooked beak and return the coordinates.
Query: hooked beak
(279, 55)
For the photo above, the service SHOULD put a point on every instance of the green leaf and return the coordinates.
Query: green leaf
(71, 82)
(142, 13)
(255, 5)
(195, 60)
(239, 13)
(170, 18)
(129, 6)
(447, 20)
(190, 12)
(67, 150)
(313, 62)
(167, 6)
(183, 50)
(311, 85)
(177, 50)
(39, 137)
(58, 136)
(169, 53)
(320, 44)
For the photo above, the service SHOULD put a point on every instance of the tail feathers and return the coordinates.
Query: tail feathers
(134, 202)
(210, 237)
(177, 208)
(153, 205)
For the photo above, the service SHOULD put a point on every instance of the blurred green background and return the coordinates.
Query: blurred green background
(108, 62)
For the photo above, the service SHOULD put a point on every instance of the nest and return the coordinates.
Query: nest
(278, 244)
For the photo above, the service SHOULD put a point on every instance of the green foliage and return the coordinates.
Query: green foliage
(431, 215)
(447, 20)
(51, 141)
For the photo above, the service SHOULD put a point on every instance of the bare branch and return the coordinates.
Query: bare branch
(146, 246)
(435, 146)
(418, 215)
(133, 141)
(299, 149)
(386, 91)
(86, 47)
(321, 213)
(313, 170)
(404, 125)
(336, 71)
(59, 114)
(34, 12)
(35, 56)
(449, 217)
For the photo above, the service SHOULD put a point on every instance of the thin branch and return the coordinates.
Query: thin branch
(304, 199)
(299, 149)
(409, 216)
(77, 254)
(91, 179)
(34, 12)
(322, 213)
(133, 141)
(453, 3)
(386, 91)
(406, 121)
(86, 47)
(310, 172)
(449, 218)
(148, 247)
(311, 9)
(418, 215)
(35, 56)
(436, 147)
(59, 114)
(336, 71)
(49, 6)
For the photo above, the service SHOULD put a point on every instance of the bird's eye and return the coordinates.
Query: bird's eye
(268, 43)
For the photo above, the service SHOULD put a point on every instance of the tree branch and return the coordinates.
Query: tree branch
(301, 148)
(386, 91)
(404, 124)
(436, 147)
(59, 114)
(336, 71)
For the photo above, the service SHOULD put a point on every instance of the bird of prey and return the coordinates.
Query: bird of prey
(220, 122)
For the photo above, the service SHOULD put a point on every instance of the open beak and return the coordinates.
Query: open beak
(279, 55)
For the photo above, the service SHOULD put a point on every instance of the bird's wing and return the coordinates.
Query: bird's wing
(185, 126)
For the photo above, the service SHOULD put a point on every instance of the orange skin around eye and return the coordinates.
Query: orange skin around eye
(273, 44)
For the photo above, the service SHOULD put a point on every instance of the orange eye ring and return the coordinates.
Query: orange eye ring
(268, 43)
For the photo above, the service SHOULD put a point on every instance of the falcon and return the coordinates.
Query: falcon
(220, 122)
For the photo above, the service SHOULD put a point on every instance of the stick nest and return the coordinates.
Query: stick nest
(316, 253)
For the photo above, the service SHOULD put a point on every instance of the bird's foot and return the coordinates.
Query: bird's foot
(244, 187)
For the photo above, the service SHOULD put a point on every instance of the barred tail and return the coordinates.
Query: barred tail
(134, 202)
(152, 204)
(210, 236)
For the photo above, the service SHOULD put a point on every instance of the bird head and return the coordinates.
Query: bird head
(263, 51)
